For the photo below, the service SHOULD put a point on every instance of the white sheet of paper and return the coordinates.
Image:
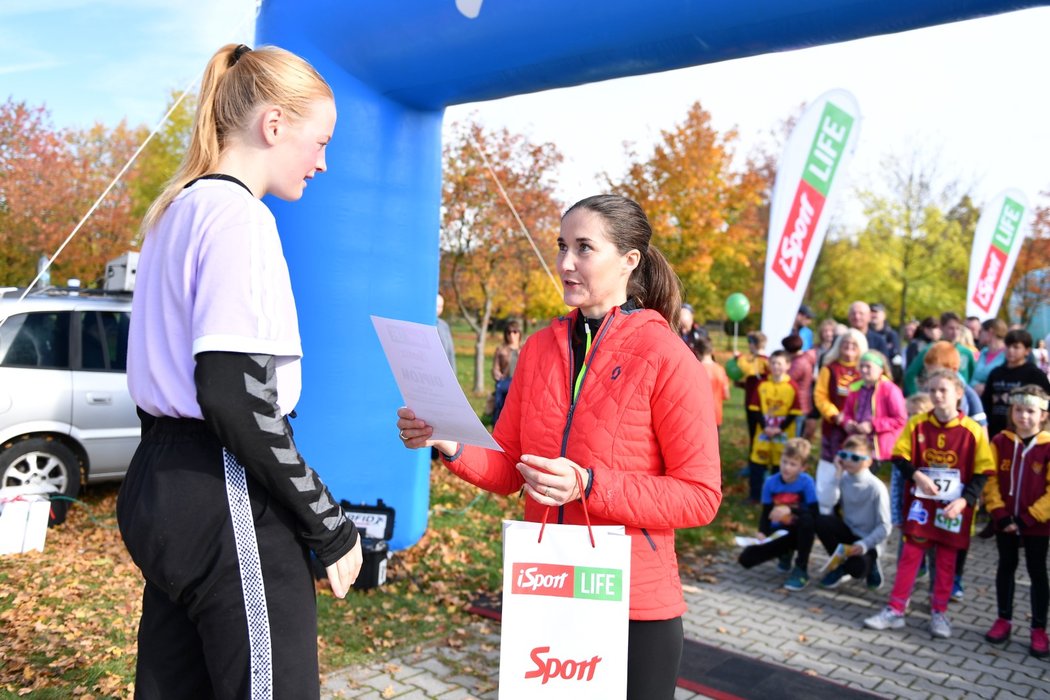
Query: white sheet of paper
(427, 383)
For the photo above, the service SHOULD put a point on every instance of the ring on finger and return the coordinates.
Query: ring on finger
(401, 433)
(547, 492)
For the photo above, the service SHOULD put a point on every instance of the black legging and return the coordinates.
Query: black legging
(1035, 549)
(799, 539)
(654, 652)
(833, 531)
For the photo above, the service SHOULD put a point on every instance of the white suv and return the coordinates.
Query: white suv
(65, 411)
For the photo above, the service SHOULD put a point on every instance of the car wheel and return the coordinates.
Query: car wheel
(40, 461)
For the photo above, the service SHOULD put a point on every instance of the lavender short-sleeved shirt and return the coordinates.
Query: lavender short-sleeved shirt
(211, 277)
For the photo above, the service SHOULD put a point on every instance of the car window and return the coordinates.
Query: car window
(38, 339)
(104, 340)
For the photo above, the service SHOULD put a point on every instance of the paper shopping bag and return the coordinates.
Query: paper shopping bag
(565, 611)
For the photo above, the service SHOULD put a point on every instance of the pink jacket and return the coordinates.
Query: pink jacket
(888, 414)
(643, 421)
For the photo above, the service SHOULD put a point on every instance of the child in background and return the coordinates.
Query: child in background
(755, 366)
(838, 373)
(945, 457)
(778, 405)
(914, 404)
(1017, 497)
(865, 522)
(719, 379)
(789, 502)
(875, 407)
(1014, 372)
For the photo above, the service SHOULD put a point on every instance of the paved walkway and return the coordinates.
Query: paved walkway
(814, 631)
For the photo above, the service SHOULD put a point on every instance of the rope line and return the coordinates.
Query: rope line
(513, 210)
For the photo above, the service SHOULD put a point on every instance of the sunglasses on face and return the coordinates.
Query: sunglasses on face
(851, 456)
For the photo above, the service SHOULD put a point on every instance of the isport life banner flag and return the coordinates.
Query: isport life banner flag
(996, 244)
(810, 174)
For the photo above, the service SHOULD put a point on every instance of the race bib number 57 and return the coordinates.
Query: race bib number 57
(948, 482)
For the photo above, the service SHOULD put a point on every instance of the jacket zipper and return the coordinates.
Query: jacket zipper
(573, 399)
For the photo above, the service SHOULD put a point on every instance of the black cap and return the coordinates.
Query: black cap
(878, 307)
(805, 311)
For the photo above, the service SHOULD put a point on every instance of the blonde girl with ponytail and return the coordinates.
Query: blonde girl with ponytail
(219, 510)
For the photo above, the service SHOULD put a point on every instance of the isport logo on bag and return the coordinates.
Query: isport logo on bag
(583, 582)
(567, 669)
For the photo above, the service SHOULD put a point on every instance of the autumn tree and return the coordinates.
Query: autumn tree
(33, 159)
(489, 269)
(708, 217)
(912, 254)
(163, 154)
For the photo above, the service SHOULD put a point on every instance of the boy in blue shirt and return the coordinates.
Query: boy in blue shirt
(789, 502)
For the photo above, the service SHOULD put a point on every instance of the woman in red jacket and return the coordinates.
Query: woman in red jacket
(610, 395)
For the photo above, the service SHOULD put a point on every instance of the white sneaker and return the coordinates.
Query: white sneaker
(887, 619)
(940, 626)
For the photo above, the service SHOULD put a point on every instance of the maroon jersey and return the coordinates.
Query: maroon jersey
(951, 454)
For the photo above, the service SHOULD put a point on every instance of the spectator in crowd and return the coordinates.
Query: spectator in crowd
(789, 502)
(803, 319)
(951, 329)
(1041, 356)
(445, 334)
(1017, 497)
(864, 523)
(826, 334)
(504, 363)
(937, 513)
(778, 406)
(1014, 372)
(893, 342)
(875, 408)
(833, 382)
(928, 331)
(914, 404)
(755, 367)
(690, 331)
(860, 318)
(719, 379)
(800, 371)
(974, 324)
(908, 332)
(993, 352)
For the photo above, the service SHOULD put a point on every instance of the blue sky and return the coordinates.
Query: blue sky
(970, 95)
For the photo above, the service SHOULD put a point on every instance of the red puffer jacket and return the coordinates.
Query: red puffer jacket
(643, 421)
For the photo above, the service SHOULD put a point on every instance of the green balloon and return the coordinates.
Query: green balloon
(733, 370)
(737, 307)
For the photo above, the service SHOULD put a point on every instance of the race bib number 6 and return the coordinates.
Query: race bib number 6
(948, 481)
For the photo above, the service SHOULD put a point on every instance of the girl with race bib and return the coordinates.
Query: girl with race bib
(945, 457)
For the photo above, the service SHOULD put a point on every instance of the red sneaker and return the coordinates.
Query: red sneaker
(1040, 649)
(999, 632)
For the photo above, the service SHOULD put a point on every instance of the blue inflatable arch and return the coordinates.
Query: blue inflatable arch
(364, 240)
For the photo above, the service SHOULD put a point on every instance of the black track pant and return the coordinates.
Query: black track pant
(833, 531)
(228, 609)
(654, 652)
(799, 539)
(1035, 549)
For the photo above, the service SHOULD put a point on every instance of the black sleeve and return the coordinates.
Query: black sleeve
(904, 467)
(973, 489)
(764, 525)
(237, 394)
